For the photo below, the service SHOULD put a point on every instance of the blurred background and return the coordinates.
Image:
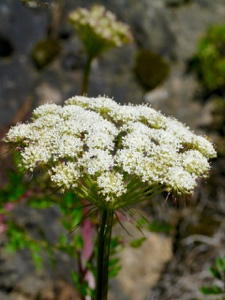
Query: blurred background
(177, 64)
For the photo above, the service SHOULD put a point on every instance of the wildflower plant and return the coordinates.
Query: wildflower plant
(99, 31)
(112, 156)
(218, 275)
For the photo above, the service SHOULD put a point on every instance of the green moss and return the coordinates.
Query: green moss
(209, 61)
(44, 52)
(150, 69)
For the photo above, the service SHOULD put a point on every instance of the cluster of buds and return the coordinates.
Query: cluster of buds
(99, 30)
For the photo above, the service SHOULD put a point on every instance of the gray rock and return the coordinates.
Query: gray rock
(169, 27)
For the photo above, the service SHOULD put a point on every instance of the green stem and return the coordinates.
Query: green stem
(86, 75)
(104, 237)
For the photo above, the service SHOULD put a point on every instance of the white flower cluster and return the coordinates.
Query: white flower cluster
(94, 145)
(98, 29)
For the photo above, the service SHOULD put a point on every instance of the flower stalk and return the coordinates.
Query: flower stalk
(104, 237)
(86, 75)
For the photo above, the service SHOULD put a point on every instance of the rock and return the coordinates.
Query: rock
(47, 93)
(156, 97)
(141, 267)
(5, 296)
(6, 48)
(59, 290)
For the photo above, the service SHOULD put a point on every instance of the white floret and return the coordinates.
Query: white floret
(35, 155)
(96, 161)
(18, 133)
(180, 181)
(46, 109)
(195, 162)
(111, 183)
(65, 175)
(204, 146)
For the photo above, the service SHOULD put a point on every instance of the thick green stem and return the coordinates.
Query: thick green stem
(87, 70)
(104, 237)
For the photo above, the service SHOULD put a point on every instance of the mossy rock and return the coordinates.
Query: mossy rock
(151, 69)
(44, 52)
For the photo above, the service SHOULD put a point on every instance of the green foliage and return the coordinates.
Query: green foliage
(151, 69)
(81, 286)
(20, 238)
(157, 226)
(14, 189)
(215, 273)
(209, 61)
(215, 290)
(36, 253)
(138, 242)
(218, 273)
(114, 262)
